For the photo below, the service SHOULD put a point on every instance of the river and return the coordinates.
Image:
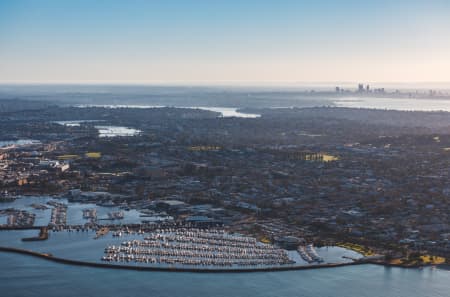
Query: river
(225, 112)
(410, 104)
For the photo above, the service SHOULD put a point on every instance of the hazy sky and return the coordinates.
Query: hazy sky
(230, 40)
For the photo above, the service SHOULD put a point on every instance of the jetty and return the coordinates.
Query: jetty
(43, 235)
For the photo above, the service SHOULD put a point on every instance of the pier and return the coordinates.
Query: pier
(43, 235)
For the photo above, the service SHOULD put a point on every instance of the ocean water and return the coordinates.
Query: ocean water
(24, 276)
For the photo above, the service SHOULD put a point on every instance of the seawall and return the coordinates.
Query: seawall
(52, 258)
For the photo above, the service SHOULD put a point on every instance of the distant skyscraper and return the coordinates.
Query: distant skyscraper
(360, 88)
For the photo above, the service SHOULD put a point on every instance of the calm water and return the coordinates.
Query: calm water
(26, 276)
(353, 102)
(20, 142)
(22, 275)
(113, 131)
(74, 211)
(103, 130)
(229, 112)
(75, 123)
(83, 246)
(395, 103)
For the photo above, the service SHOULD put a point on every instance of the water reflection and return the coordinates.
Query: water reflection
(224, 111)
(395, 103)
(113, 131)
(74, 211)
(76, 123)
(19, 142)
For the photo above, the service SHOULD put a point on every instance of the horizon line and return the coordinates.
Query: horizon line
(217, 82)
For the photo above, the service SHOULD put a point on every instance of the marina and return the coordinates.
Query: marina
(115, 215)
(197, 247)
(110, 234)
(90, 213)
(43, 209)
(59, 215)
(166, 247)
(309, 254)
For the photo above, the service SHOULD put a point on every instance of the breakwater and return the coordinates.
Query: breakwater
(52, 258)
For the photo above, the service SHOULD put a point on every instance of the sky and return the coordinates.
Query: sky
(211, 41)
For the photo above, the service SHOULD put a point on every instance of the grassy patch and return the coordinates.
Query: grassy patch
(265, 240)
(94, 155)
(68, 157)
(366, 252)
(429, 259)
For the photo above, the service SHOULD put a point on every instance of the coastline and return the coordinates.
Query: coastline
(50, 257)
